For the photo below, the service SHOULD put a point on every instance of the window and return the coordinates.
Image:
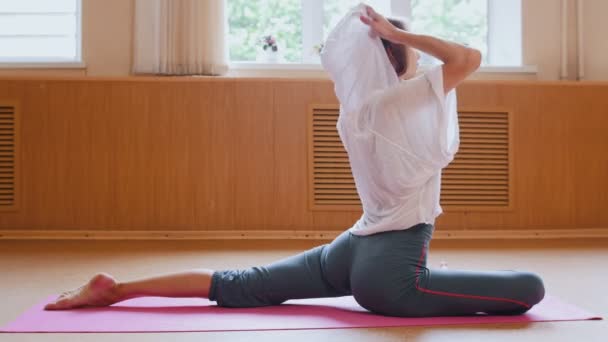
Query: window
(300, 26)
(40, 31)
(492, 26)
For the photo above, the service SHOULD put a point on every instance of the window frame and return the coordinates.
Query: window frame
(49, 62)
(312, 21)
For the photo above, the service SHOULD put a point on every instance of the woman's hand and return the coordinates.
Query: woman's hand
(379, 24)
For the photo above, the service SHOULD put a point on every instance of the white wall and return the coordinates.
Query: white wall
(541, 36)
(107, 32)
(595, 28)
(107, 45)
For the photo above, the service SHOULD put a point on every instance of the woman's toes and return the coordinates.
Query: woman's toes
(67, 300)
(50, 306)
(53, 305)
(59, 304)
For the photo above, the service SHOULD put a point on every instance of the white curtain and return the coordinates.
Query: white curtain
(179, 37)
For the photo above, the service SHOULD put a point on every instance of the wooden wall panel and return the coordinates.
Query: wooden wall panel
(213, 169)
(231, 154)
(552, 144)
(291, 100)
(254, 154)
(174, 143)
(187, 141)
(132, 162)
(589, 146)
(103, 155)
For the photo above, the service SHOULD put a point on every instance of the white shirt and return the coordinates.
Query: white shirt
(397, 145)
(398, 134)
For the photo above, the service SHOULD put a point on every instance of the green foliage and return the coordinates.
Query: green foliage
(250, 20)
(463, 21)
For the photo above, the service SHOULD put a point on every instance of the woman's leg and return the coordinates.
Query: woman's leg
(403, 286)
(319, 272)
(458, 292)
(104, 290)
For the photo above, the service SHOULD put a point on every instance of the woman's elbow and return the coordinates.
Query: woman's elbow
(473, 60)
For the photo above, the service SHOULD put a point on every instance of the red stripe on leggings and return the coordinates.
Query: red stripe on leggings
(450, 294)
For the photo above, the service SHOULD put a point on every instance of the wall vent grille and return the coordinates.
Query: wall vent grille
(479, 178)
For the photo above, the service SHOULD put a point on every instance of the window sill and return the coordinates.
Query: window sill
(274, 66)
(253, 69)
(42, 65)
(524, 69)
(280, 70)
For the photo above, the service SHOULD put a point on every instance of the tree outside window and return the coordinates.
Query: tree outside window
(463, 21)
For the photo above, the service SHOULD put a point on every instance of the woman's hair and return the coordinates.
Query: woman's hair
(397, 50)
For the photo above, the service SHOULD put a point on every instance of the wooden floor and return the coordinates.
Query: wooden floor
(575, 271)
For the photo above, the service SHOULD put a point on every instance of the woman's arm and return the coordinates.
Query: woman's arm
(459, 61)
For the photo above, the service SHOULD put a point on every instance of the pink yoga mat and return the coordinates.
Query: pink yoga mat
(192, 314)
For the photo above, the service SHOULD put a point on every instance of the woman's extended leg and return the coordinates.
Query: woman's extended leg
(104, 290)
(323, 271)
(319, 272)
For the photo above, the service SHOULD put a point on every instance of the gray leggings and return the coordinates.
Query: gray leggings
(386, 273)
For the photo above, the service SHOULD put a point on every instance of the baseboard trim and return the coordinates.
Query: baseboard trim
(587, 233)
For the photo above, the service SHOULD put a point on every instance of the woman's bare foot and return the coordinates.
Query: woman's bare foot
(101, 290)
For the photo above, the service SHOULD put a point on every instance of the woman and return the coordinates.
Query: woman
(399, 135)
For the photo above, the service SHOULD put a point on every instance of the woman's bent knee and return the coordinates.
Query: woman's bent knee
(531, 287)
(391, 305)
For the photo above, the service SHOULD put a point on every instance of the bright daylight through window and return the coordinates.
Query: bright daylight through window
(40, 31)
(292, 31)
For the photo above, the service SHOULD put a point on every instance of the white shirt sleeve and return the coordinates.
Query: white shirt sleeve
(420, 122)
